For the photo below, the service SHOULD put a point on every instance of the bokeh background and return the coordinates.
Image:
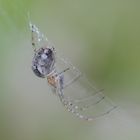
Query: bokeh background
(101, 37)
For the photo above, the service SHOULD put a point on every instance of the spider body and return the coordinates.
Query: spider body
(43, 62)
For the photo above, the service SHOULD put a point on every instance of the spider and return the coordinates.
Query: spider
(74, 90)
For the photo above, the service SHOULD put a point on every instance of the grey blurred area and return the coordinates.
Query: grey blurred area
(102, 38)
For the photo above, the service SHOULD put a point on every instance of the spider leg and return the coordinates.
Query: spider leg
(91, 118)
(77, 106)
(69, 66)
(37, 38)
(63, 71)
(73, 80)
(99, 96)
(74, 106)
(90, 101)
(70, 106)
(90, 97)
(34, 35)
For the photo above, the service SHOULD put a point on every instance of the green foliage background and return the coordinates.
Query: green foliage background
(101, 37)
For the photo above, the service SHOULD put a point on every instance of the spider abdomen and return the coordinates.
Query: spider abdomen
(43, 62)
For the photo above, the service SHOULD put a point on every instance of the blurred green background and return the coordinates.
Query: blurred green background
(101, 37)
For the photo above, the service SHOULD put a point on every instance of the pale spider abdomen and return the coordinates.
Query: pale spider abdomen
(43, 62)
